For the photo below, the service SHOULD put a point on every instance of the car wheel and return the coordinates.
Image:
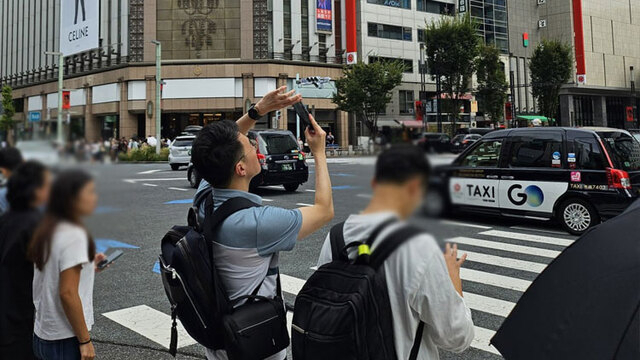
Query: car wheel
(175, 167)
(577, 216)
(291, 187)
(193, 179)
(434, 204)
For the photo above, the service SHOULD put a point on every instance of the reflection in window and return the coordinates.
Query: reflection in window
(486, 154)
(535, 151)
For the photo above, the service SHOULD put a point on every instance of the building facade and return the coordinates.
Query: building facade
(219, 56)
(606, 49)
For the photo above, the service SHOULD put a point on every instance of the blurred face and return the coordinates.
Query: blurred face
(87, 200)
(41, 195)
(248, 165)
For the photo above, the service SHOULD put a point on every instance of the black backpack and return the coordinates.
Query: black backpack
(192, 284)
(343, 310)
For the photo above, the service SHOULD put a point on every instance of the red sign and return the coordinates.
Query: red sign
(508, 114)
(630, 113)
(419, 110)
(66, 100)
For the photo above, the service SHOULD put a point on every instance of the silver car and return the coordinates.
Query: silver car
(180, 151)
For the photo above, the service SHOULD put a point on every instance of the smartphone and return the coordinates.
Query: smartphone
(110, 259)
(302, 112)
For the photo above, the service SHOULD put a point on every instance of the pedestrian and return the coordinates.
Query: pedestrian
(423, 285)
(247, 243)
(152, 141)
(330, 139)
(64, 255)
(28, 193)
(10, 159)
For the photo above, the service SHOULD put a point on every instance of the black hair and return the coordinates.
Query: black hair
(401, 163)
(23, 183)
(64, 193)
(216, 151)
(10, 158)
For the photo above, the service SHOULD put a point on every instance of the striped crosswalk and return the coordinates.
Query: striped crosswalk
(499, 261)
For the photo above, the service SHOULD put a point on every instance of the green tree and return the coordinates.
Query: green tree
(492, 83)
(6, 120)
(452, 47)
(550, 67)
(365, 89)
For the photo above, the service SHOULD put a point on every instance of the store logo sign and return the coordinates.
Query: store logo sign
(532, 195)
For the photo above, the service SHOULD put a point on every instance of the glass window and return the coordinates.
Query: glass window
(623, 150)
(182, 143)
(406, 102)
(536, 151)
(435, 7)
(404, 4)
(408, 64)
(277, 144)
(389, 31)
(485, 154)
(422, 35)
(588, 154)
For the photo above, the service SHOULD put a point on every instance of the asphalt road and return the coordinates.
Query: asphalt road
(139, 203)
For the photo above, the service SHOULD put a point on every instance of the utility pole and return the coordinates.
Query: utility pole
(60, 56)
(295, 87)
(422, 89)
(438, 102)
(158, 86)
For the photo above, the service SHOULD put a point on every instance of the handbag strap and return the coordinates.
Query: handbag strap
(416, 342)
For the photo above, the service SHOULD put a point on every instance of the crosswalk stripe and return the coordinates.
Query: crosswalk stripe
(458, 223)
(503, 261)
(150, 323)
(504, 246)
(303, 204)
(482, 338)
(488, 304)
(494, 279)
(528, 237)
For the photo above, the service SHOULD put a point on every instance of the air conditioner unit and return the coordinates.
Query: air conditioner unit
(542, 2)
(542, 23)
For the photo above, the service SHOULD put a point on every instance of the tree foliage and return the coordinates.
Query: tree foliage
(492, 83)
(550, 66)
(6, 120)
(365, 89)
(452, 47)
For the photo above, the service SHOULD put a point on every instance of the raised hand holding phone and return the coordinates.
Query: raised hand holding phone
(303, 114)
(316, 137)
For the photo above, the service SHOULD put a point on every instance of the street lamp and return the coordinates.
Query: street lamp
(60, 87)
(158, 85)
(422, 89)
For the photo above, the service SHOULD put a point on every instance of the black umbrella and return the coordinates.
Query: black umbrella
(585, 304)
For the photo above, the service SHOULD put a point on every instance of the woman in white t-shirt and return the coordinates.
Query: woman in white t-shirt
(64, 257)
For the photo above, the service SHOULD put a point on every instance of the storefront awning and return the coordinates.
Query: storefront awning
(412, 124)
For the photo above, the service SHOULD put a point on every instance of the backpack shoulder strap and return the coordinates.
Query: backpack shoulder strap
(336, 237)
(391, 242)
(214, 218)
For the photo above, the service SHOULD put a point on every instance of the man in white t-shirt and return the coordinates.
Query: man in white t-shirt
(152, 141)
(423, 284)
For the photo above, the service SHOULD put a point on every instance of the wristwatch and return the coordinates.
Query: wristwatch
(253, 112)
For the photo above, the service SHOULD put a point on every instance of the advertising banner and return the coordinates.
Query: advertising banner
(79, 26)
(324, 16)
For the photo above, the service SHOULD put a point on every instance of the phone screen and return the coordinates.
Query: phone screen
(302, 112)
(110, 258)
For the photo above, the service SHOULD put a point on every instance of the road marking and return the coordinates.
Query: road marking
(290, 284)
(528, 237)
(150, 323)
(267, 200)
(309, 190)
(539, 230)
(503, 261)
(149, 172)
(153, 185)
(132, 181)
(458, 223)
(179, 189)
(304, 204)
(482, 338)
(314, 268)
(488, 305)
(183, 201)
(502, 281)
(366, 196)
(276, 187)
(504, 246)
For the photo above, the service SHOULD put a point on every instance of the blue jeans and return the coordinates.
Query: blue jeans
(65, 349)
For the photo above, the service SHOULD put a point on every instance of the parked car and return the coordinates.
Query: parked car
(435, 142)
(577, 176)
(192, 129)
(281, 160)
(180, 151)
(462, 141)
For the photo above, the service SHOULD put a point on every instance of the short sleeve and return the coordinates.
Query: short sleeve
(74, 250)
(325, 253)
(277, 229)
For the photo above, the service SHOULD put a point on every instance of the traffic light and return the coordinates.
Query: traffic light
(66, 100)
(525, 39)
